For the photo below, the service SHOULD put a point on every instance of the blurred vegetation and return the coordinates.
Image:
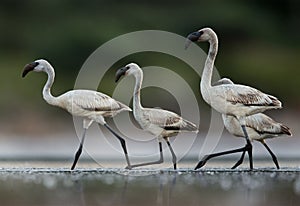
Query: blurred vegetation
(259, 43)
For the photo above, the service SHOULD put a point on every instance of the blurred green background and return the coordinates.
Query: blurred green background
(259, 46)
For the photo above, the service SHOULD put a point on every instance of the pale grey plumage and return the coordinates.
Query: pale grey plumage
(168, 123)
(236, 100)
(91, 105)
(258, 126)
(161, 123)
(222, 81)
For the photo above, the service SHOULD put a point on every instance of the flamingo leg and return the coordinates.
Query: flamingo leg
(274, 158)
(208, 157)
(240, 161)
(123, 144)
(248, 146)
(79, 151)
(161, 159)
(174, 158)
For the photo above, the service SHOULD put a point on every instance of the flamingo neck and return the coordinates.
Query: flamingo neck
(48, 97)
(209, 64)
(137, 91)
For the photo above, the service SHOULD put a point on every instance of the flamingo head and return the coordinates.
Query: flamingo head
(38, 66)
(201, 35)
(129, 69)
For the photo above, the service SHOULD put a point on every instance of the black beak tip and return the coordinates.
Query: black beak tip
(120, 73)
(118, 76)
(28, 68)
(192, 37)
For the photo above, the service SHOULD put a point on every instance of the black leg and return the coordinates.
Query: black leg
(208, 157)
(79, 151)
(123, 144)
(161, 159)
(240, 161)
(249, 146)
(174, 158)
(274, 158)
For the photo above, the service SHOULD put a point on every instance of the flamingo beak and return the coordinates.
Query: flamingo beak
(192, 37)
(120, 73)
(28, 68)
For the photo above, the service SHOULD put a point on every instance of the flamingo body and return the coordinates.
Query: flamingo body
(234, 100)
(161, 123)
(91, 105)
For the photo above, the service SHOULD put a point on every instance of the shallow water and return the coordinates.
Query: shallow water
(214, 186)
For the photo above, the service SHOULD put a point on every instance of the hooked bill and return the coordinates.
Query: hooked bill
(28, 68)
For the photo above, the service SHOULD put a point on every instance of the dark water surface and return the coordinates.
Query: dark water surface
(34, 186)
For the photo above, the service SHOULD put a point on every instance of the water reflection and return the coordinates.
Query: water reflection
(149, 187)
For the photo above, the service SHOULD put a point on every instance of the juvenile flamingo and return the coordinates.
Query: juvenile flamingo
(258, 126)
(161, 123)
(235, 100)
(93, 106)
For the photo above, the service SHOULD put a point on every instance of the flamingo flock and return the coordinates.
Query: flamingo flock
(241, 108)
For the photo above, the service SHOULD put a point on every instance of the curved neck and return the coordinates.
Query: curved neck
(137, 90)
(209, 63)
(47, 88)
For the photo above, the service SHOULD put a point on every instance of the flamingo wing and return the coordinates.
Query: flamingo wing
(168, 120)
(248, 96)
(263, 124)
(89, 101)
